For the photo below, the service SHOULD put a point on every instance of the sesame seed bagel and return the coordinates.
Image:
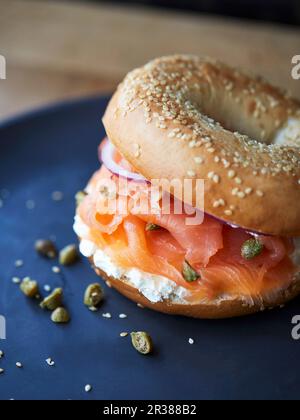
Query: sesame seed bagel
(226, 308)
(183, 117)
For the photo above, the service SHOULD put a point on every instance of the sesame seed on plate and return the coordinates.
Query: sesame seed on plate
(1, 354)
(88, 388)
(123, 334)
(191, 341)
(122, 316)
(16, 280)
(1, 371)
(56, 270)
(50, 362)
(19, 365)
(47, 288)
(19, 263)
(107, 315)
(57, 196)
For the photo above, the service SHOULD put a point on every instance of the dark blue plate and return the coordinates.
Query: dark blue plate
(56, 150)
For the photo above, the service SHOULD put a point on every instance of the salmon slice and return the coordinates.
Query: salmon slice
(200, 242)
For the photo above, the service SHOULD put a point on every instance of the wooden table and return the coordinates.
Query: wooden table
(56, 50)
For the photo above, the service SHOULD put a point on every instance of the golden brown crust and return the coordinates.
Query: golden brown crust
(225, 309)
(157, 120)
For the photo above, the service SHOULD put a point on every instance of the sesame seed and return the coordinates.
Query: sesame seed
(231, 174)
(57, 196)
(107, 315)
(93, 309)
(191, 341)
(1, 371)
(238, 180)
(228, 212)
(56, 270)
(192, 174)
(123, 334)
(88, 388)
(30, 204)
(199, 160)
(248, 190)
(19, 263)
(19, 365)
(122, 316)
(1, 354)
(47, 288)
(16, 280)
(259, 193)
(50, 362)
(216, 179)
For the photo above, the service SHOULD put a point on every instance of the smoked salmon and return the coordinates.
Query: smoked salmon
(212, 248)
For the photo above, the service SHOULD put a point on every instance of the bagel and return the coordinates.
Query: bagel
(237, 132)
(184, 117)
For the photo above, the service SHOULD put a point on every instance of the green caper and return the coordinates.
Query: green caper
(53, 301)
(189, 274)
(79, 197)
(151, 226)
(29, 287)
(142, 342)
(60, 316)
(251, 248)
(45, 248)
(93, 295)
(69, 255)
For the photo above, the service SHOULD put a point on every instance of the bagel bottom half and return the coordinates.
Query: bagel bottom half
(227, 308)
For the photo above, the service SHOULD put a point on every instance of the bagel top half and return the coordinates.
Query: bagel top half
(184, 117)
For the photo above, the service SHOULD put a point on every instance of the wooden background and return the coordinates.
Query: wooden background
(56, 50)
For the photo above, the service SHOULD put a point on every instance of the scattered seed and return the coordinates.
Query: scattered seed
(50, 362)
(16, 280)
(1, 371)
(45, 248)
(57, 196)
(93, 295)
(53, 301)
(19, 365)
(93, 309)
(122, 316)
(30, 204)
(191, 341)
(107, 315)
(56, 270)
(88, 388)
(123, 334)
(1, 354)
(60, 316)
(47, 288)
(19, 263)
(69, 255)
(139, 305)
(29, 287)
(142, 342)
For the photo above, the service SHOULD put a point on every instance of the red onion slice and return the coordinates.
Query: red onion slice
(106, 155)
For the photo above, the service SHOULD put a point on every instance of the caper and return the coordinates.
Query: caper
(251, 248)
(142, 342)
(93, 295)
(45, 248)
(79, 197)
(69, 255)
(29, 287)
(53, 301)
(189, 274)
(60, 316)
(152, 226)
